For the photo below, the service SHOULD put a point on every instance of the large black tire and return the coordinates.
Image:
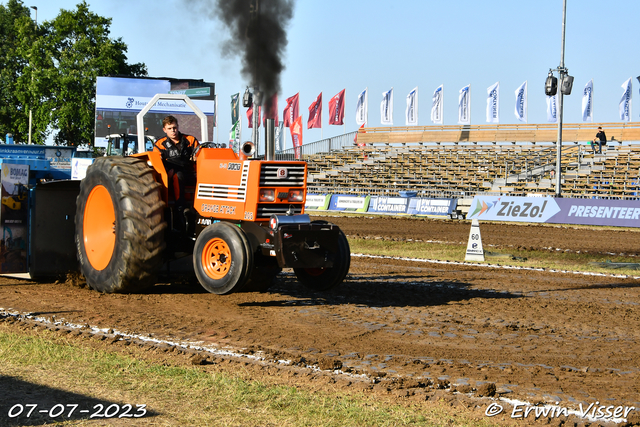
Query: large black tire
(324, 279)
(120, 227)
(222, 258)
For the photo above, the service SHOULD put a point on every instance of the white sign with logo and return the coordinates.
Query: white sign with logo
(137, 103)
(475, 252)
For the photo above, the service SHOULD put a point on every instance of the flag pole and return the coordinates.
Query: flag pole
(344, 108)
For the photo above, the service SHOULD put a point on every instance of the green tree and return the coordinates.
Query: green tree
(61, 60)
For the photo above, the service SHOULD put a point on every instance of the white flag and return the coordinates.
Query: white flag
(386, 108)
(411, 113)
(361, 108)
(493, 103)
(436, 107)
(279, 136)
(552, 108)
(464, 106)
(625, 102)
(587, 102)
(521, 103)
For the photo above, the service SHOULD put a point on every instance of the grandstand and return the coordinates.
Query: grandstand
(462, 161)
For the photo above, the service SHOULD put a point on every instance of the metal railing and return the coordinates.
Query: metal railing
(323, 146)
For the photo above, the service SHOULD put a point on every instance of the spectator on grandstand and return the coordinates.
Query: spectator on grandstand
(599, 141)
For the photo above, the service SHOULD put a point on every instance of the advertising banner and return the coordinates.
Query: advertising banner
(518, 209)
(493, 103)
(437, 105)
(521, 103)
(397, 205)
(317, 201)
(349, 203)
(120, 99)
(464, 105)
(617, 213)
(13, 218)
(411, 112)
(436, 207)
(361, 108)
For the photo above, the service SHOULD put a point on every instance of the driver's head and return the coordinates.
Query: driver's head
(170, 127)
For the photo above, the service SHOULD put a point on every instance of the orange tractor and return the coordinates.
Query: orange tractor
(247, 224)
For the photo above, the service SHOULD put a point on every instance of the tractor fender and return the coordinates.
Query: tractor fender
(154, 160)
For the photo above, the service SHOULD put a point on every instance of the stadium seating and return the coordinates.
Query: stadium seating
(455, 161)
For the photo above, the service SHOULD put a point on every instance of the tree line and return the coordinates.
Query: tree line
(51, 68)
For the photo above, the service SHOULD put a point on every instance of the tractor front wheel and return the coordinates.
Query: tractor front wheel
(222, 258)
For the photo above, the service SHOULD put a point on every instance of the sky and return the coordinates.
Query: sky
(403, 44)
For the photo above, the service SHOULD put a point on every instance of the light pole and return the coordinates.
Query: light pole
(30, 114)
(565, 82)
(562, 71)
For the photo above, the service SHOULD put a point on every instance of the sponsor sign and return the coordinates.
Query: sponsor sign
(79, 168)
(137, 103)
(317, 201)
(14, 218)
(388, 204)
(617, 213)
(516, 209)
(59, 158)
(437, 207)
(349, 203)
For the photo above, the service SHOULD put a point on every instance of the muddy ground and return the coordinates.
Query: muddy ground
(414, 327)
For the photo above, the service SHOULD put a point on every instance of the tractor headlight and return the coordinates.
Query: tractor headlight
(267, 195)
(296, 195)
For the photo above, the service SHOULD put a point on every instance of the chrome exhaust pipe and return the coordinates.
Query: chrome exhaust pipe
(270, 140)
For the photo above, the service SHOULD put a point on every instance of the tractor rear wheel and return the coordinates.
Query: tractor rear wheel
(324, 279)
(222, 258)
(120, 227)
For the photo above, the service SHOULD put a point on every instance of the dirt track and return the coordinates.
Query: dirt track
(538, 336)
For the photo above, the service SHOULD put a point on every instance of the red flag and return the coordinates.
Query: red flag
(315, 113)
(336, 109)
(296, 136)
(291, 111)
(271, 110)
(250, 116)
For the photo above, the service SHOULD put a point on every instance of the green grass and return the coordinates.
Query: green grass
(557, 260)
(183, 395)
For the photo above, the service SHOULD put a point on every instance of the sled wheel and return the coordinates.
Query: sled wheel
(324, 279)
(222, 258)
(119, 225)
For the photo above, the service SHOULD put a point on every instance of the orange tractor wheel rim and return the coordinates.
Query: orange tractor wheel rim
(98, 227)
(216, 258)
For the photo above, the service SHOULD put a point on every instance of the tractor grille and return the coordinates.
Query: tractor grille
(294, 175)
(265, 210)
(226, 192)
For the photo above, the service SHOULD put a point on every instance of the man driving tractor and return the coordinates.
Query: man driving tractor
(178, 155)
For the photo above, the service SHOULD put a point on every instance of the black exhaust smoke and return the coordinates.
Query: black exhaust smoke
(258, 35)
